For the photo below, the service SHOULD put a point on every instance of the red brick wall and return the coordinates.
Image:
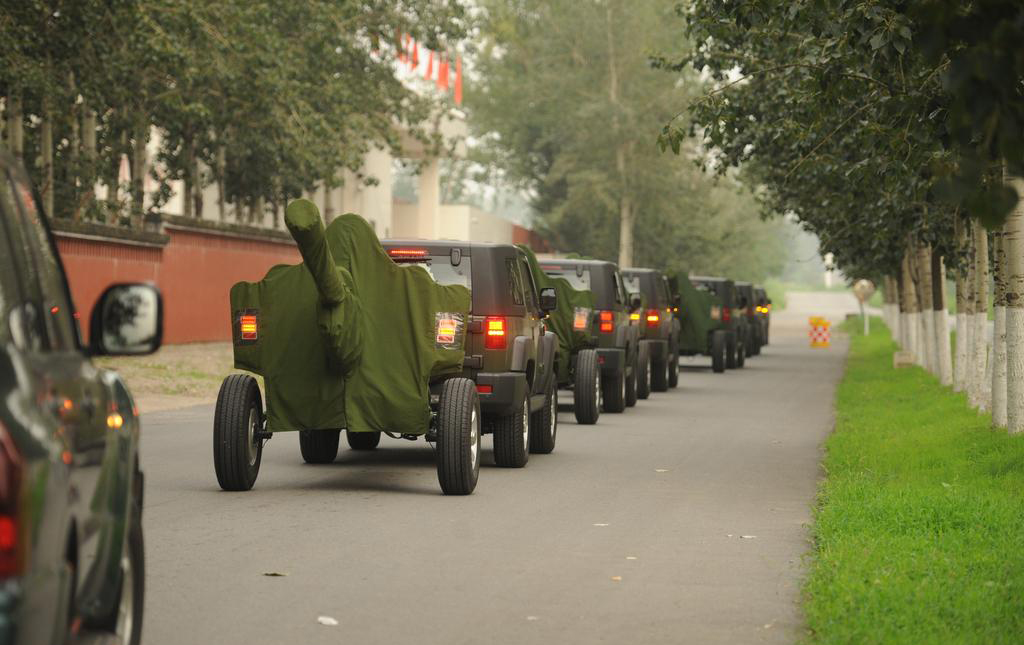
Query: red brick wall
(194, 271)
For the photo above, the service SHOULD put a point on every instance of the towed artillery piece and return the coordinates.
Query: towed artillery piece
(346, 340)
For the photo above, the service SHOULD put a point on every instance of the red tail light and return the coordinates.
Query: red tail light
(247, 325)
(485, 389)
(726, 314)
(12, 545)
(494, 330)
(399, 255)
(606, 322)
(653, 318)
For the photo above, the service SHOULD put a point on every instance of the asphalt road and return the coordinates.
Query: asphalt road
(632, 531)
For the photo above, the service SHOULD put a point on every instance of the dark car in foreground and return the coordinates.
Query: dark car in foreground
(71, 549)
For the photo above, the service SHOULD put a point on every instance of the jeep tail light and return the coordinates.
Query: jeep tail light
(485, 389)
(11, 541)
(494, 328)
(726, 314)
(606, 322)
(634, 316)
(407, 254)
(247, 326)
(653, 318)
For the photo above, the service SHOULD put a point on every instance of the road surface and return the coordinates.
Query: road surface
(683, 520)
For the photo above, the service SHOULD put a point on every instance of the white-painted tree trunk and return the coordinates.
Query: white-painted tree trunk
(980, 385)
(940, 317)
(1013, 244)
(997, 364)
(960, 364)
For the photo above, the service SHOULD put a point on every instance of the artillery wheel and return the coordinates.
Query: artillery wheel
(587, 388)
(718, 351)
(319, 446)
(362, 440)
(237, 422)
(544, 423)
(512, 437)
(643, 381)
(458, 437)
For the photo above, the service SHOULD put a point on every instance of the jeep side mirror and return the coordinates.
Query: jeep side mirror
(769, 301)
(635, 302)
(128, 319)
(548, 300)
(677, 300)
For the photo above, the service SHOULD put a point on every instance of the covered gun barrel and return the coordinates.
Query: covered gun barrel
(302, 218)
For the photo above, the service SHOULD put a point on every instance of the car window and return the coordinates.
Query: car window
(620, 290)
(443, 272)
(665, 297)
(515, 284)
(9, 290)
(532, 294)
(41, 273)
(21, 311)
(632, 283)
(580, 282)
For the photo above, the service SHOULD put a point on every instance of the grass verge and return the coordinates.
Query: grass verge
(919, 530)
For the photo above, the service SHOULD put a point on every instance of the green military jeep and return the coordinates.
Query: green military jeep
(747, 305)
(659, 329)
(617, 340)
(699, 313)
(734, 324)
(509, 353)
(577, 365)
(763, 306)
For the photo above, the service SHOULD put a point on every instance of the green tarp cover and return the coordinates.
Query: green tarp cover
(569, 302)
(347, 339)
(694, 315)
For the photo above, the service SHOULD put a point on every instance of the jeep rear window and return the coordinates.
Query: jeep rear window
(632, 283)
(441, 270)
(579, 282)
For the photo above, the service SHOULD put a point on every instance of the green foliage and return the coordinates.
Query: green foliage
(289, 92)
(570, 107)
(919, 536)
(871, 121)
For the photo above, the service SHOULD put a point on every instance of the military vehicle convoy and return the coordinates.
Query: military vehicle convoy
(577, 365)
(659, 329)
(618, 342)
(731, 320)
(510, 355)
(348, 339)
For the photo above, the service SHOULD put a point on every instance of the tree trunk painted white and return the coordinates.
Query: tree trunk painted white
(979, 361)
(998, 363)
(911, 320)
(924, 274)
(943, 350)
(1013, 244)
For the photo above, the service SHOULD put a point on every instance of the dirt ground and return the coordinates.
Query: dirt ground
(175, 376)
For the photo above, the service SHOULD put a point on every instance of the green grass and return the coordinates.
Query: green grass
(919, 531)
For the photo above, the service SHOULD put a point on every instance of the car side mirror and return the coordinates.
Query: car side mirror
(677, 300)
(635, 302)
(548, 299)
(127, 320)
(769, 301)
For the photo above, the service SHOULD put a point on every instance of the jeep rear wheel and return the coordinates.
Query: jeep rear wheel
(659, 375)
(718, 351)
(544, 424)
(512, 437)
(673, 370)
(741, 354)
(730, 350)
(362, 440)
(587, 388)
(458, 437)
(630, 383)
(643, 380)
(319, 446)
(237, 424)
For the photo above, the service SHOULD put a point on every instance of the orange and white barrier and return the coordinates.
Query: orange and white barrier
(820, 332)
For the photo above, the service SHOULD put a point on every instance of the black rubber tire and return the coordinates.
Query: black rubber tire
(614, 392)
(741, 355)
(136, 555)
(544, 424)
(643, 371)
(319, 446)
(718, 351)
(629, 382)
(458, 436)
(362, 440)
(238, 399)
(673, 370)
(730, 350)
(512, 437)
(587, 388)
(659, 375)
(755, 342)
